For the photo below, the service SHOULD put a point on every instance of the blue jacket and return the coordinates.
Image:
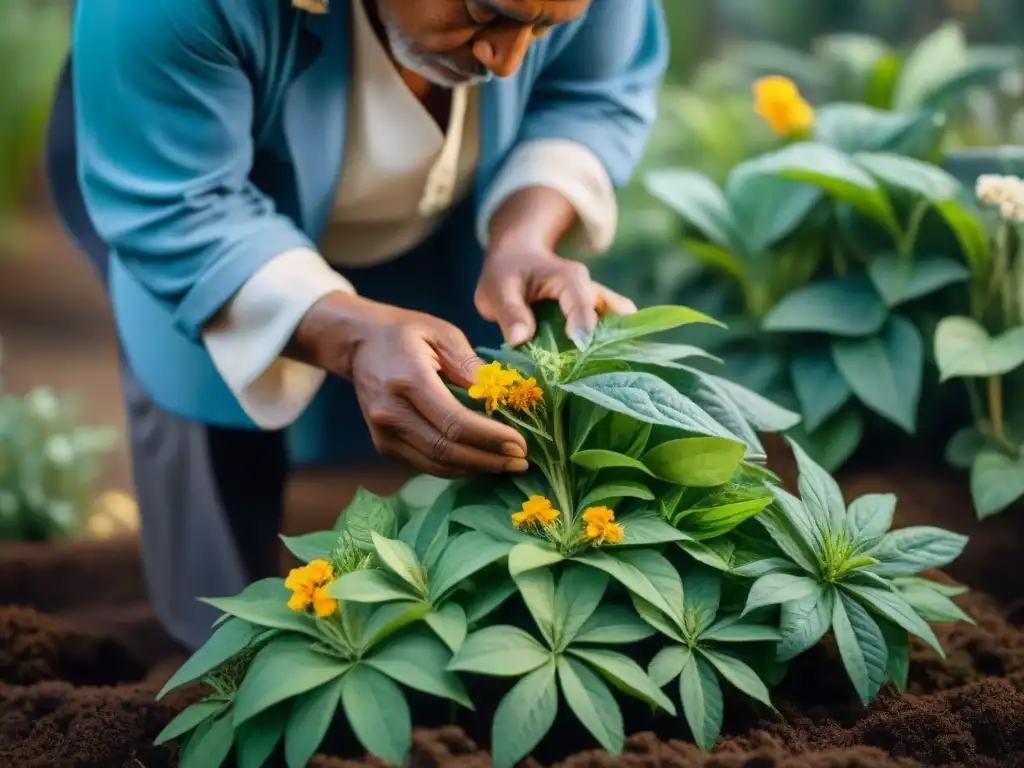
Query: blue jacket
(210, 138)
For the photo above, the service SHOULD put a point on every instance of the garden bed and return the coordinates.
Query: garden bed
(81, 661)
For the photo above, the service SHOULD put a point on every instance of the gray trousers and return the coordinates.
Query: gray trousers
(210, 501)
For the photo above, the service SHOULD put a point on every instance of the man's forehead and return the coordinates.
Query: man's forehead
(534, 11)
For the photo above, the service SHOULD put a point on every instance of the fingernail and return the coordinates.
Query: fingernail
(517, 465)
(513, 449)
(579, 337)
(518, 334)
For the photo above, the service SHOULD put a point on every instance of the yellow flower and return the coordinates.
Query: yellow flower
(536, 509)
(524, 395)
(601, 526)
(778, 101)
(492, 384)
(309, 588)
(311, 6)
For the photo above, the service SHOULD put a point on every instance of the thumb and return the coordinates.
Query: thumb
(512, 313)
(456, 357)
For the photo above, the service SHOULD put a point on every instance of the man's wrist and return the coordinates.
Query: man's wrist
(533, 218)
(331, 331)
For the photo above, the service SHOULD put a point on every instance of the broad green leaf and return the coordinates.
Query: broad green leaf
(257, 738)
(819, 491)
(647, 321)
(820, 388)
(809, 525)
(844, 306)
(645, 397)
(899, 280)
(310, 717)
(964, 446)
(272, 613)
(489, 599)
(537, 589)
(597, 459)
(910, 550)
(769, 208)
(835, 440)
(433, 530)
(524, 717)
(734, 631)
(869, 517)
(898, 644)
(698, 200)
(646, 528)
(778, 588)
(493, 520)
(285, 667)
(789, 537)
(702, 593)
(312, 546)
(885, 371)
(656, 353)
(830, 170)
(530, 555)
(230, 639)
(762, 567)
(190, 719)
(370, 586)
(418, 660)
(644, 572)
(401, 560)
(739, 674)
(935, 59)
(577, 596)
(667, 664)
(852, 127)
(464, 556)
(500, 651)
(997, 481)
(611, 492)
(378, 713)
(711, 522)
(613, 624)
(210, 744)
(701, 696)
(449, 623)
(421, 491)
(892, 606)
(696, 462)
(802, 623)
(593, 704)
(930, 604)
(861, 646)
(367, 513)
(670, 625)
(385, 620)
(964, 349)
(626, 675)
(762, 413)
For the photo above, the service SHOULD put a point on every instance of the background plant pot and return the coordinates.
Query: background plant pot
(968, 164)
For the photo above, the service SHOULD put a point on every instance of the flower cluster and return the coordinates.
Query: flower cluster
(308, 585)
(1005, 192)
(601, 526)
(536, 510)
(505, 386)
(778, 101)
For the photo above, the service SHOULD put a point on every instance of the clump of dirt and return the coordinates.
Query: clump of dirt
(77, 685)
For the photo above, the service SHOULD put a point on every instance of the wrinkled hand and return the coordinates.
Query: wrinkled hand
(393, 357)
(517, 275)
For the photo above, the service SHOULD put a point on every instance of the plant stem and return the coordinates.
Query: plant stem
(977, 408)
(995, 408)
(909, 239)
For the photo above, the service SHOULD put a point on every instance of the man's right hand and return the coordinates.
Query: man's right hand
(395, 359)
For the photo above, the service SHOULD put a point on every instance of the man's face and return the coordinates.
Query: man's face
(462, 42)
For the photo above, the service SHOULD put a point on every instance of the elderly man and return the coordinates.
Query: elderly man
(301, 212)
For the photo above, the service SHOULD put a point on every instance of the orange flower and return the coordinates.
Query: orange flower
(601, 526)
(309, 588)
(524, 395)
(536, 509)
(492, 384)
(778, 101)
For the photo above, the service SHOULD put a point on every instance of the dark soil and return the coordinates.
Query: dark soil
(81, 657)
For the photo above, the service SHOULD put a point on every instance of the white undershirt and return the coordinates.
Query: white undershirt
(401, 173)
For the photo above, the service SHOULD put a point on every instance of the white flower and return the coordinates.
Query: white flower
(1004, 192)
(311, 6)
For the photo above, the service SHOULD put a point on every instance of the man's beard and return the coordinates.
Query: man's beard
(436, 68)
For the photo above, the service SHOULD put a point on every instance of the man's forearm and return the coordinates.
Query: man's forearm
(537, 216)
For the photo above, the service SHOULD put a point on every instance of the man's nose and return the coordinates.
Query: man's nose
(502, 50)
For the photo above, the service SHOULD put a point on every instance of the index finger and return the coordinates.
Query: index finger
(458, 423)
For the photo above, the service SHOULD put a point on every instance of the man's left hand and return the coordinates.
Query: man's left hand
(521, 268)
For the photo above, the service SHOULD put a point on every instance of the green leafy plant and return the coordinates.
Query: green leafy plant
(640, 514)
(837, 571)
(49, 464)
